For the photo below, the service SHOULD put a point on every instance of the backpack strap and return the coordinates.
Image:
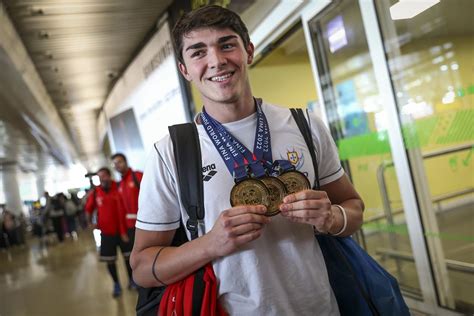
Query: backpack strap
(305, 130)
(187, 153)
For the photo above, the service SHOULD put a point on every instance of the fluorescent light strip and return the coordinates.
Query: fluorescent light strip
(407, 9)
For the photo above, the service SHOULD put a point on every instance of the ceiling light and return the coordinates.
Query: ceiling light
(407, 9)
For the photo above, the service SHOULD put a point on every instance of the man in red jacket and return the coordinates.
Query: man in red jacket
(129, 187)
(111, 222)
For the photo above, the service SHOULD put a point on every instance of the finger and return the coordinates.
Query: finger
(302, 213)
(243, 209)
(305, 205)
(248, 237)
(304, 195)
(245, 218)
(245, 229)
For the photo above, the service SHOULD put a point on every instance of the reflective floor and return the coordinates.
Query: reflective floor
(60, 279)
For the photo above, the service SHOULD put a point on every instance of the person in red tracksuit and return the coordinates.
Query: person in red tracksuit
(111, 222)
(129, 188)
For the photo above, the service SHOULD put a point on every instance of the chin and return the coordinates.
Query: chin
(229, 100)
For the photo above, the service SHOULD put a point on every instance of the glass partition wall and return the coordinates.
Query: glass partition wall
(429, 61)
(357, 121)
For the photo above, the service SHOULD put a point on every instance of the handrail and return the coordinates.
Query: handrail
(454, 265)
(435, 153)
(388, 212)
(387, 163)
(451, 195)
(437, 199)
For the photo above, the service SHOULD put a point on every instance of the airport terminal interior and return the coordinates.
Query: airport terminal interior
(393, 80)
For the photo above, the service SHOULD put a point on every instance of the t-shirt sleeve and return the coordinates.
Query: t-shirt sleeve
(158, 202)
(329, 165)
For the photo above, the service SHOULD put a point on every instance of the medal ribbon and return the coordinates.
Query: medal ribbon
(226, 143)
(280, 166)
(236, 163)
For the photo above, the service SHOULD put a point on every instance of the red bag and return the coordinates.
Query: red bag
(177, 299)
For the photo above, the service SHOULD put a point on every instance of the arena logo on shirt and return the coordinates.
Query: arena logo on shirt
(208, 172)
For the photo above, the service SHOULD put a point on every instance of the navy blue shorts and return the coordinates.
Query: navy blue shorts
(108, 247)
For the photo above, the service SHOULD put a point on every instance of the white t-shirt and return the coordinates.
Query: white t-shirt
(282, 272)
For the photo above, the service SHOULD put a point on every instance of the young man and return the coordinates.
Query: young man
(111, 223)
(264, 265)
(128, 187)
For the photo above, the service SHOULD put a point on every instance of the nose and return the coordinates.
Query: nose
(216, 58)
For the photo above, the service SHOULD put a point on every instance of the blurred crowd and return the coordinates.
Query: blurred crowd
(52, 220)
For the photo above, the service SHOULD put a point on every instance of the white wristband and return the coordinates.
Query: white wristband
(344, 217)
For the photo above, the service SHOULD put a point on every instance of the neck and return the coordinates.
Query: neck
(106, 185)
(232, 111)
(125, 172)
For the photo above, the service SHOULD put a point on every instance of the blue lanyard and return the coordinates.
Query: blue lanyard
(236, 163)
(262, 147)
(235, 155)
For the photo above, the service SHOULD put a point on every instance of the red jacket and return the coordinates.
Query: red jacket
(129, 190)
(110, 210)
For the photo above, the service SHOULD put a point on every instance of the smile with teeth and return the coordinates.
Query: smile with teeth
(221, 78)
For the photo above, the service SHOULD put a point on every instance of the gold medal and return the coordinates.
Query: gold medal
(250, 192)
(294, 181)
(277, 193)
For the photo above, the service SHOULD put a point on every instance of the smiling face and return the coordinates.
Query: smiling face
(215, 60)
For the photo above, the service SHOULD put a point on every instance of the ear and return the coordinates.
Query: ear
(184, 71)
(250, 50)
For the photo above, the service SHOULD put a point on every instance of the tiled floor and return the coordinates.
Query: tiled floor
(61, 279)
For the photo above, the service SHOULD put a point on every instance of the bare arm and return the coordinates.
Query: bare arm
(317, 207)
(234, 228)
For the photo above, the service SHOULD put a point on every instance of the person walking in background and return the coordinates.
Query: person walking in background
(128, 188)
(56, 211)
(71, 213)
(111, 222)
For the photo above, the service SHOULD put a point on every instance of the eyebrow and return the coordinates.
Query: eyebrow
(219, 41)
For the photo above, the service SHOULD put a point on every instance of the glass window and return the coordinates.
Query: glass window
(431, 64)
(358, 122)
